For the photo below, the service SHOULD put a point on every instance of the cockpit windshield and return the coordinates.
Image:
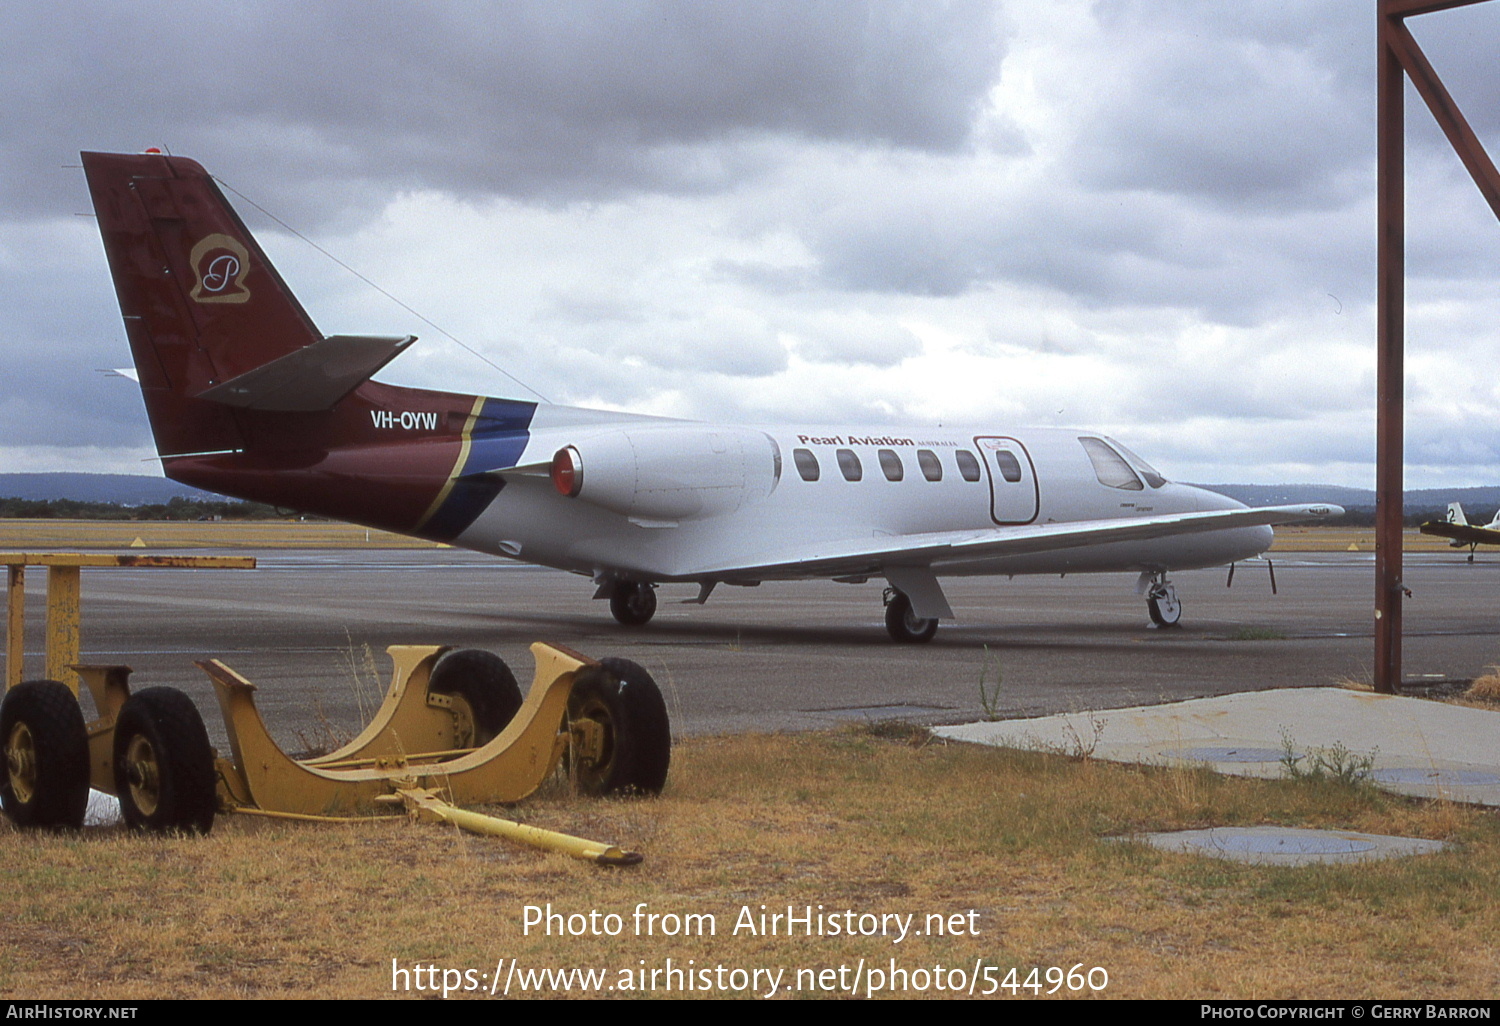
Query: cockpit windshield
(1153, 479)
(1109, 466)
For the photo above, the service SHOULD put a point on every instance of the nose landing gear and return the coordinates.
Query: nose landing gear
(1162, 603)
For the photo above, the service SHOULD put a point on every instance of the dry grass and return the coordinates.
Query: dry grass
(28, 535)
(1298, 538)
(874, 822)
(1485, 689)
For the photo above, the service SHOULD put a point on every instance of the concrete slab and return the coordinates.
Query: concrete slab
(1413, 746)
(1289, 846)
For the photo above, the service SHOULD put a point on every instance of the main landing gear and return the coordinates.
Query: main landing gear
(903, 624)
(633, 603)
(1162, 603)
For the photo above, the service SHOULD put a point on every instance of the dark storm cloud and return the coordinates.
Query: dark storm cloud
(1243, 106)
(56, 294)
(1461, 46)
(1128, 249)
(548, 100)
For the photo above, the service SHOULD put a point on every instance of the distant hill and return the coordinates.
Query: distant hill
(1286, 495)
(126, 489)
(1362, 500)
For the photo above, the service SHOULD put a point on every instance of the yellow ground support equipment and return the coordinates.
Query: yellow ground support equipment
(452, 728)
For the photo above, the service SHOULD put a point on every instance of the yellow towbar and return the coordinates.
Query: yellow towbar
(425, 805)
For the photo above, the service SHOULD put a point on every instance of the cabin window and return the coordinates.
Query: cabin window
(849, 465)
(807, 464)
(890, 465)
(1010, 467)
(1147, 471)
(932, 467)
(968, 466)
(1109, 466)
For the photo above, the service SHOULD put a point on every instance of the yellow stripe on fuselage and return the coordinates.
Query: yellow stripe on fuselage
(463, 455)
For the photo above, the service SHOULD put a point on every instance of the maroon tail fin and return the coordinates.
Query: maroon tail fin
(202, 304)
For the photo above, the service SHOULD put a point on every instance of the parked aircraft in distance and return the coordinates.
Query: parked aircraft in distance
(1460, 532)
(246, 397)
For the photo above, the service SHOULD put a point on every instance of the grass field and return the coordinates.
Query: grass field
(26, 535)
(874, 820)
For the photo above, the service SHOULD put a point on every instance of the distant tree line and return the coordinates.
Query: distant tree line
(176, 508)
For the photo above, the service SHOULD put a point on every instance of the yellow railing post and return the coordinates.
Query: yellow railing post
(63, 613)
(15, 624)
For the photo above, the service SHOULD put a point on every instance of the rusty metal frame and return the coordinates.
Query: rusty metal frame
(1398, 58)
(64, 602)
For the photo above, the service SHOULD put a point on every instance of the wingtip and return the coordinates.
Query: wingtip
(1324, 510)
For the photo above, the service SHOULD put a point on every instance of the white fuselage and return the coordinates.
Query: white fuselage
(679, 501)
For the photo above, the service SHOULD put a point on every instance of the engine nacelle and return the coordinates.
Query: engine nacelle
(669, 472)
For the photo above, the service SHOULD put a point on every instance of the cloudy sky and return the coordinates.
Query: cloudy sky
(1151, 218)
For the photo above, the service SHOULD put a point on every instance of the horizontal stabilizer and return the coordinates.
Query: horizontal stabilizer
(312, 378)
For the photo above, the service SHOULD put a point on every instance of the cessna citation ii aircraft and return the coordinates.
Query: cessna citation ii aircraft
(247, 398)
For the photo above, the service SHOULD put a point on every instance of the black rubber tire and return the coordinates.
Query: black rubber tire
(483, 681)
(633, 604)
(903, 625)
(1164, 613)
(163, 763)
(44, 766)
(624, 699)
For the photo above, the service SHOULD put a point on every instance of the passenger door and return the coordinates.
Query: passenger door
(1014, 493)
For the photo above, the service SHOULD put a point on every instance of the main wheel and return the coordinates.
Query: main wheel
(904, 625)
(164, 766)
(623, 741)
(633, 603)
(484, 694)
(1163, 606)
(44, 776)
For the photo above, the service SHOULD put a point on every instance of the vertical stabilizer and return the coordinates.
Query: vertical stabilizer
(202, 304)
(247, 398)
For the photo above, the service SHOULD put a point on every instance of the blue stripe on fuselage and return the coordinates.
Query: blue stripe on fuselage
(496, 440)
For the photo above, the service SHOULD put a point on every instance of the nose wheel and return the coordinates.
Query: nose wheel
(1162, 604)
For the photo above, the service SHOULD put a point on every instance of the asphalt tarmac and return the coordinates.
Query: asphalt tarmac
(310, 629)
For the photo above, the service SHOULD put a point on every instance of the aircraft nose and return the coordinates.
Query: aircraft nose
(1254, 539)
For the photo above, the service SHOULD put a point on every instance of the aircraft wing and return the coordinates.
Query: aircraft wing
(935, 549)
(1462, 534)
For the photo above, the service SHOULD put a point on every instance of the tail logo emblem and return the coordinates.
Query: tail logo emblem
(221, 263)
